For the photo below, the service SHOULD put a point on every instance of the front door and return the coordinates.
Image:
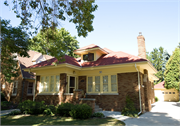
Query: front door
(72, 84)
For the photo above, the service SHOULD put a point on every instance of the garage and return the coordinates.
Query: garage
(164, 94)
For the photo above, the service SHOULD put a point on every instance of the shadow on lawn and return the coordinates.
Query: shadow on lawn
(48, 120)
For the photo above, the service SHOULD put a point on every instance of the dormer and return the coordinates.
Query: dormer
(90, 53)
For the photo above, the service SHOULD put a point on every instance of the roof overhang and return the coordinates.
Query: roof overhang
(79, 52)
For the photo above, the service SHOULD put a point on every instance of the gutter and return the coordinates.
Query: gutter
(139, 91)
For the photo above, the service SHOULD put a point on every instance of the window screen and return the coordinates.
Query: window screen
(113, 83)
(97, 83)
(90, 84)
(105, 83)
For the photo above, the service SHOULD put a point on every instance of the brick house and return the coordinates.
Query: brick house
(100, 76)
(22, 86)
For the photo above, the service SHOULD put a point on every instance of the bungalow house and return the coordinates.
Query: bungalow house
(164, 94)
(99, 77)
(22, 86)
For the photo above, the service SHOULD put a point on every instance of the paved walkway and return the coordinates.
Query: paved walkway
(5, 112)
(162, 114)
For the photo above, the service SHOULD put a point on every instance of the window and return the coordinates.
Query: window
(166, 92)
(105, 83)
(102, 84)
(97, 83)
(162, 92)
(90, 84)
(57, 82)
(50, 83)
(15, 85)
(88, 57)
(173, 92)
(169, 92)
(30, 88)
(113, 83)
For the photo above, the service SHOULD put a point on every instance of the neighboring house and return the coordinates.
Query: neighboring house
(101, 76)
(164, 94)
(22, 86)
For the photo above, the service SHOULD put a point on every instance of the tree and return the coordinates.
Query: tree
(172, 72)
(51, 12)
(57, 43)
(158, 57)
(13, 41)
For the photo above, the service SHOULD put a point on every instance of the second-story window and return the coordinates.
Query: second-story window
(88, 57)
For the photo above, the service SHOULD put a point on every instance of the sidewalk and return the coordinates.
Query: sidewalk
(5, 112)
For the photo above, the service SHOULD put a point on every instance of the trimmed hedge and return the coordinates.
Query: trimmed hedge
(50, 110)
(156, 99)
(81, 111)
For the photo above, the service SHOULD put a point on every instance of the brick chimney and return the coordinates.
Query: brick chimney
(141, 46)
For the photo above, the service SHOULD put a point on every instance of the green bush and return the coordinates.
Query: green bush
(156, 99)
(98, 114)
(3, 97)
(50, 110)
(81, 111)
(16, 112)
(129, 109)
(64, 109)
(6, 105)
(32, 107)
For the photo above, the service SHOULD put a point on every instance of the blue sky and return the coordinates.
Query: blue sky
(117, 24)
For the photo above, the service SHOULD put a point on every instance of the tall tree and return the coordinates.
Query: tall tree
(13, 41)
(158, 57)
(55, 42)
(51, 12)
(172, 72)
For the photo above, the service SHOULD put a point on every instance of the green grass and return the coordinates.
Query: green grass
(56, 120)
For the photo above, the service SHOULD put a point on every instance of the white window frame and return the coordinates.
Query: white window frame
(48, 92)
(68, 84)
(101, 84)
(32, 89)
(14, 94)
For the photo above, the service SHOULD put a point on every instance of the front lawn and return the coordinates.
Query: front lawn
(56, 120)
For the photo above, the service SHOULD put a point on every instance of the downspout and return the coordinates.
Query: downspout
(139, 92)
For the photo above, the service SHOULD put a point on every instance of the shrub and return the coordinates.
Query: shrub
(98, 114)
(156, 99)
(3, 97)
(6, 105)
(32, 107)
(64, 109)
(81, 111)
(50, 110)
(129, 109)
(16, 112)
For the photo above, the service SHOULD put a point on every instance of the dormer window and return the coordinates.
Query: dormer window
(88, 57)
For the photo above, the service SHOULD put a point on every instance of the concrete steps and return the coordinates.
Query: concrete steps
(97, 109)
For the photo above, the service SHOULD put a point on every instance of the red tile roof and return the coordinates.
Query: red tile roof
(160, 85)
(87, 47)
(68, 59)
(114, 58)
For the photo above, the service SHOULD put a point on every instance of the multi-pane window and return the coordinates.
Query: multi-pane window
(15, 85)
(30, 88)
(90, 84)
(97, 83)
(102, 84)
(113, 83)
(57, 83)
(50, 83)
(72, 84)
(105, 83)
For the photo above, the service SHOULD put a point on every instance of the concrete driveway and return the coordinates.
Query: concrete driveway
(162, 114)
